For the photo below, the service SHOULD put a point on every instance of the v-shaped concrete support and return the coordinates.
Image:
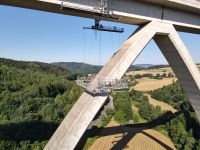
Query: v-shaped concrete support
(79, 117)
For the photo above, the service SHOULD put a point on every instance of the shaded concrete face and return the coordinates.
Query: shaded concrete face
(75, 123)
(82, 113)
(183, 66)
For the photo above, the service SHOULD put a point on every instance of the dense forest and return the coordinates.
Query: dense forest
(34, 98)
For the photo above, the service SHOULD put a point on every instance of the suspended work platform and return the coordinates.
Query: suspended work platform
(100, 27)
(103, 87)
(106, 28)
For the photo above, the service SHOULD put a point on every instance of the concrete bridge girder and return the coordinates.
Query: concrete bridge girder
(183, 14)
(78, 119)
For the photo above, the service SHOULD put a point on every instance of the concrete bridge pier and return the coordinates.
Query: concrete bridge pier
(82, 113)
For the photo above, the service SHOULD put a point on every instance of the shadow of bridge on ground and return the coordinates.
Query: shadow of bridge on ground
(128, 131)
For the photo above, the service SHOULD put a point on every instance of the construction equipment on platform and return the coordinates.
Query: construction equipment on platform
(103, 87)
(100, 27)
(103, 6)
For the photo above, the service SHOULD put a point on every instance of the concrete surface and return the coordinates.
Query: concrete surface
(75, 123)
(183, 14)
(183, 66)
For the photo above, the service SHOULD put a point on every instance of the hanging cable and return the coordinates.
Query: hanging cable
(119, 40)
(111, 36)
(91, 41)
(84, 49)
(100, 48)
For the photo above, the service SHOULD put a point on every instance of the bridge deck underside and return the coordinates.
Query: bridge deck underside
(124, 11)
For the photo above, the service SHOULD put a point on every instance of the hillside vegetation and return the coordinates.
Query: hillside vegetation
(34, 98)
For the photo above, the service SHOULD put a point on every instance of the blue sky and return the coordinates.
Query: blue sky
(47, 37)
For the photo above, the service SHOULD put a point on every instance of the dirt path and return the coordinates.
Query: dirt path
(164, 106)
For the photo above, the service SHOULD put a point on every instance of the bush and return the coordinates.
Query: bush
(149, 112)
(105, 119)
(138, 76)
(122, 107)
(172, 94)
(135, 118)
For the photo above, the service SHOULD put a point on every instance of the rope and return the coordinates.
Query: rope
(111, 36)
(99, 48)
(84, 49)
(119, 40)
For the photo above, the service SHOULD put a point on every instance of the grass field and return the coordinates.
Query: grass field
(140, 139)
(152, 71)
(148, 84)
(164, 106)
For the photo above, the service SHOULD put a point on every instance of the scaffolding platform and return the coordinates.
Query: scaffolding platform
(103, 87)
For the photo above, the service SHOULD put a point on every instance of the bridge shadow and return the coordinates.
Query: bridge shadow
(30, 130)
(40, 131)
(128, 131)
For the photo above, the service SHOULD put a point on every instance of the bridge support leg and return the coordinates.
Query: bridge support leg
(183, 66)
(79, 117)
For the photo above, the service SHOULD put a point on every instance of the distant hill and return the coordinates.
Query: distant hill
(157, 66)
(34, 66)
(78, 67)
(87, 68)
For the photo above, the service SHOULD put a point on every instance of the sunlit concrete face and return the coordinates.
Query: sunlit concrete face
(78, 119)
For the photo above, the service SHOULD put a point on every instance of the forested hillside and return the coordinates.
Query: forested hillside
(34, 98)
(78, 67)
